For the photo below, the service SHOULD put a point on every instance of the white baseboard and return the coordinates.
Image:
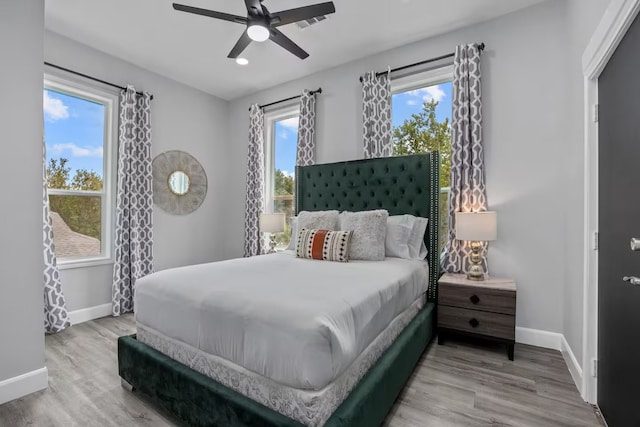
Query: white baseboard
(90, 313)
(572, 364)
(554, 341)
(539, 338)
(24, 384)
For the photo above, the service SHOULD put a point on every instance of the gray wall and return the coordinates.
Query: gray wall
(21, 265)
(583, 18)
(531, 167)
(182, 118)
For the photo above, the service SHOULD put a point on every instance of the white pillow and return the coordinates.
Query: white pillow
(317, 220)
(369, 233)
(294, 234)
(417, 248)
(399, 228)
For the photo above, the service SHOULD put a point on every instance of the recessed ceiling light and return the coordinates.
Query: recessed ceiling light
(242, 61)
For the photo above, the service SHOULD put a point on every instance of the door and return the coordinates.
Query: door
(619, 221)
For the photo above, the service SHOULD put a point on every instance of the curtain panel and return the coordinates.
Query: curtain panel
(56, 318)
(133, 249)
(306, 148)
(468, 190)
(254, 205)
(376, 112)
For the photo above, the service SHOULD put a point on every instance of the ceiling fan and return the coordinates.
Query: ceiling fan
(262, 25)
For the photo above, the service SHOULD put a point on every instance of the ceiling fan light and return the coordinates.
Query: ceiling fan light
(242, 61)
(258, 33)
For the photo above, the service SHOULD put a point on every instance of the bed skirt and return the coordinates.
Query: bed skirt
(201, 401)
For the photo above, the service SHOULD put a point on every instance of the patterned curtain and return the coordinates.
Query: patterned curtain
(255, 183)
(56, 318)
(134, 203)
(306, 149)
(468, 190)
(376, 110)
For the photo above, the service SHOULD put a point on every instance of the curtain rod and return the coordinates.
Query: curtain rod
(415, 64)
(319, 90)
(89, 77)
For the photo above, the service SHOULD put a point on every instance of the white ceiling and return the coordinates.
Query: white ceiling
(193, 49)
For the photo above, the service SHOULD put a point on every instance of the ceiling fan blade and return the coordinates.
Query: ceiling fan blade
(241, 45)
(289, 16)
(284, 41)
(254, 7)
(210, 13)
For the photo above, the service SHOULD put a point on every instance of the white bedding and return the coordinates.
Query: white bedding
(310, 407)
(296, 321)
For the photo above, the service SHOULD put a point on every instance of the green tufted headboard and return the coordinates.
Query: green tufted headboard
(401, 185)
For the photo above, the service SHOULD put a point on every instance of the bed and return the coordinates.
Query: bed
(268, 361)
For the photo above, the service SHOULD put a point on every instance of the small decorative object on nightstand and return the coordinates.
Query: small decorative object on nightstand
(272, 223)
(476, 227)
(484, 309)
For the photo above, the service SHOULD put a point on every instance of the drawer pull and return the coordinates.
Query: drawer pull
(474, 299)
(474, 322)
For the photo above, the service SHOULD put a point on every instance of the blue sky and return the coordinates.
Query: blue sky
(286, 140)
(74, 129)
(402, 104)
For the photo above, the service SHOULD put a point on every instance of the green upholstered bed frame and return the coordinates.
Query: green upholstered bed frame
(401, 185)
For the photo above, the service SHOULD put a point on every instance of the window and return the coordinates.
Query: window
(280, 157)
(421, 118)
(79, 128)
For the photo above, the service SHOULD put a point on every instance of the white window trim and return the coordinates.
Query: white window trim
(270, 119)
(422, 79)
(108, 197)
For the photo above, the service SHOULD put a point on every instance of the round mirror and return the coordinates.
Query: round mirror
(179, 183)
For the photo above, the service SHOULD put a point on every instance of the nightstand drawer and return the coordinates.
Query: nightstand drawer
(477, 298)
(479, 322)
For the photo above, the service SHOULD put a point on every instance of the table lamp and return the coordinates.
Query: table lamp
(272, 223)
(476, 227)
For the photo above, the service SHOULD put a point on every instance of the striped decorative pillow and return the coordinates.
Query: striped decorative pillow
(324, 245)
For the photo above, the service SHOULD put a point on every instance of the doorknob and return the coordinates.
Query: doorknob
(635, 244)
(633, 280)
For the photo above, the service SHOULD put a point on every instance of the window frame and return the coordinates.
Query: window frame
(270, 118)
(110, 101)
(420, 80)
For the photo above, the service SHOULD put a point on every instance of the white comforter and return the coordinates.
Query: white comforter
(296, 321)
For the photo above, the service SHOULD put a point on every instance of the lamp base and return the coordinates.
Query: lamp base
(272, 243)
(475, 272)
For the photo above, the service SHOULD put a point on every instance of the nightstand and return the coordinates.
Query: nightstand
(485, 309)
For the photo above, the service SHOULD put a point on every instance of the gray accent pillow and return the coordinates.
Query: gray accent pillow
(317, 220)
(369, 233)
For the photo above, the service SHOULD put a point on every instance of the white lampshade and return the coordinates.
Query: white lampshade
(257, 32)
(272, 222)
(476, 226)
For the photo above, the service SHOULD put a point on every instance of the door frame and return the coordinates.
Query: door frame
(612, 28)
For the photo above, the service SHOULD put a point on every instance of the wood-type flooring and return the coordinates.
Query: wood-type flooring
(455, 384)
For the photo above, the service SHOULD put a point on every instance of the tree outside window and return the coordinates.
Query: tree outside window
(76, 128)
(284, 143)
(421, 124)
